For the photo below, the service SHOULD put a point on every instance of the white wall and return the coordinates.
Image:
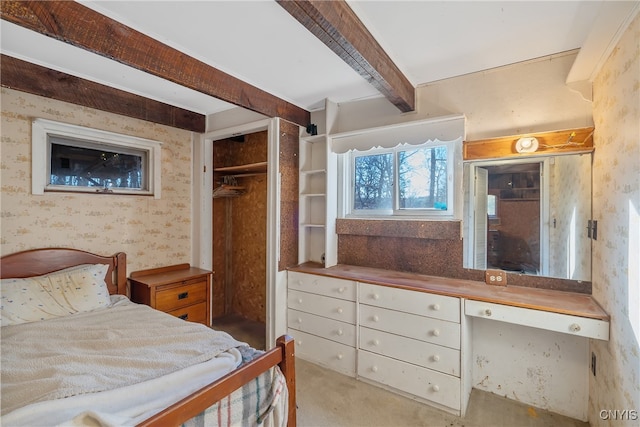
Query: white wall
(527, 97)
(541, 368)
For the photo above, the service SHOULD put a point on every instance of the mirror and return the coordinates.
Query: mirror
(529, 216)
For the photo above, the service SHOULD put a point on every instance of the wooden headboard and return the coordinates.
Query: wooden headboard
(36, 262)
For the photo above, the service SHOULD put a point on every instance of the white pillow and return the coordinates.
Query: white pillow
(61, 293)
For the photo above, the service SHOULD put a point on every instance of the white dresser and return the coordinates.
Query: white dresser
(433, 338)
(411, 341)
(321, 317)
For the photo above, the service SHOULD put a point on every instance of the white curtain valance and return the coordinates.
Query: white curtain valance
(444, 129)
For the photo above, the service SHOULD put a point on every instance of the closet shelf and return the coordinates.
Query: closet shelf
(243, 170)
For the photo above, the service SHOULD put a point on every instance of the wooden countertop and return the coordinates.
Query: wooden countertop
(575, 304)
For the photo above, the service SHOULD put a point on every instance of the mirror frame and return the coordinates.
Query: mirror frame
(503, 149)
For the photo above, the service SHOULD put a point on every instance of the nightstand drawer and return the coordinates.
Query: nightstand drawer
(420, 303)
(193, 313)
(186, 293)
(421, 328)
(322, 285)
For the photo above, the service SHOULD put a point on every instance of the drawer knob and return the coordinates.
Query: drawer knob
(374, 369)
(340, 332)
(435, 358)
(435, 388)
(299, 342)
(487, 312)
(375, 318)
(574, 327)
(340, 357)
(376, 296)
(315, 282)
(375, 342)
(299, 300)
(435, 333)
(299, 320)
(436, 307)
(341, 290)
(339, 310)
(300, 282)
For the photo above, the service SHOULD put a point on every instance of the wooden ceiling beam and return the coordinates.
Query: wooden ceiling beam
(338, 27)
(27, 77)
(76, 24)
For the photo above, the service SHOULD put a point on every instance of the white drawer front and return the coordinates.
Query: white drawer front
(332, 355)
(334, 330)
(322, 285)
(421, 303)
(442, 359)
(573, 325)
(410, 325)
(422, 382)
(337, 309)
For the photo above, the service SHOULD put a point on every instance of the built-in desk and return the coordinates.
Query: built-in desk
(527, 344)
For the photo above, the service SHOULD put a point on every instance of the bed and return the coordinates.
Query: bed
(79, 352)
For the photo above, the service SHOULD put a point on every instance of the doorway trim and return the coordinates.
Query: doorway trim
(202, 211)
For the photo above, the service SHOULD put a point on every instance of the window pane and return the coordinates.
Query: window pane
(78, 166)
(373, 185)
(423, 178)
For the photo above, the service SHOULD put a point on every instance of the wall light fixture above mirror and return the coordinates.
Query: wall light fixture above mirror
(535, 144)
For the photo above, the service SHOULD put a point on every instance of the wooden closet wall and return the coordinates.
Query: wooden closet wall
(240, 232)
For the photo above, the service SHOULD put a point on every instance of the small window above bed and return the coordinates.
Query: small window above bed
(73, 158)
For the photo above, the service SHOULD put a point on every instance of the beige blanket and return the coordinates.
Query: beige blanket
(100, 350)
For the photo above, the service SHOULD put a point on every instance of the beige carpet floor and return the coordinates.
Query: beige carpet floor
(326, 398)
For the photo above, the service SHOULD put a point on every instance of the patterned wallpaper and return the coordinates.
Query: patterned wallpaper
(151, 232)
(616, 253)
(569, 211)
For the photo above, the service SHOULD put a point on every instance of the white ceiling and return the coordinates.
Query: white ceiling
(261, 44)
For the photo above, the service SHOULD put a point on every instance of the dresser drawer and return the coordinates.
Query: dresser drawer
(335, 356)
(193, 313)
(420, 303)
(180, 295)
(334, 330)
(442, 359)
(322, 285)
(422, 382)
(421, 328)
(573, 325)
(342, 310)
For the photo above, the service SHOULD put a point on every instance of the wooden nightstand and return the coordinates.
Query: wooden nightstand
(180, 290)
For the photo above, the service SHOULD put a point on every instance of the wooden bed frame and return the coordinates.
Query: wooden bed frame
(37, 262)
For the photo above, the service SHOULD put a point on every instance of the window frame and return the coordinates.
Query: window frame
(43, 130)
(454, 161)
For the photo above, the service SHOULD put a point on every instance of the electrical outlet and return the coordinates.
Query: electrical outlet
(593, 363)
(496, 277)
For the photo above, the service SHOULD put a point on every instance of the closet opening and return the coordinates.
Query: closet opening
(239, 232)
